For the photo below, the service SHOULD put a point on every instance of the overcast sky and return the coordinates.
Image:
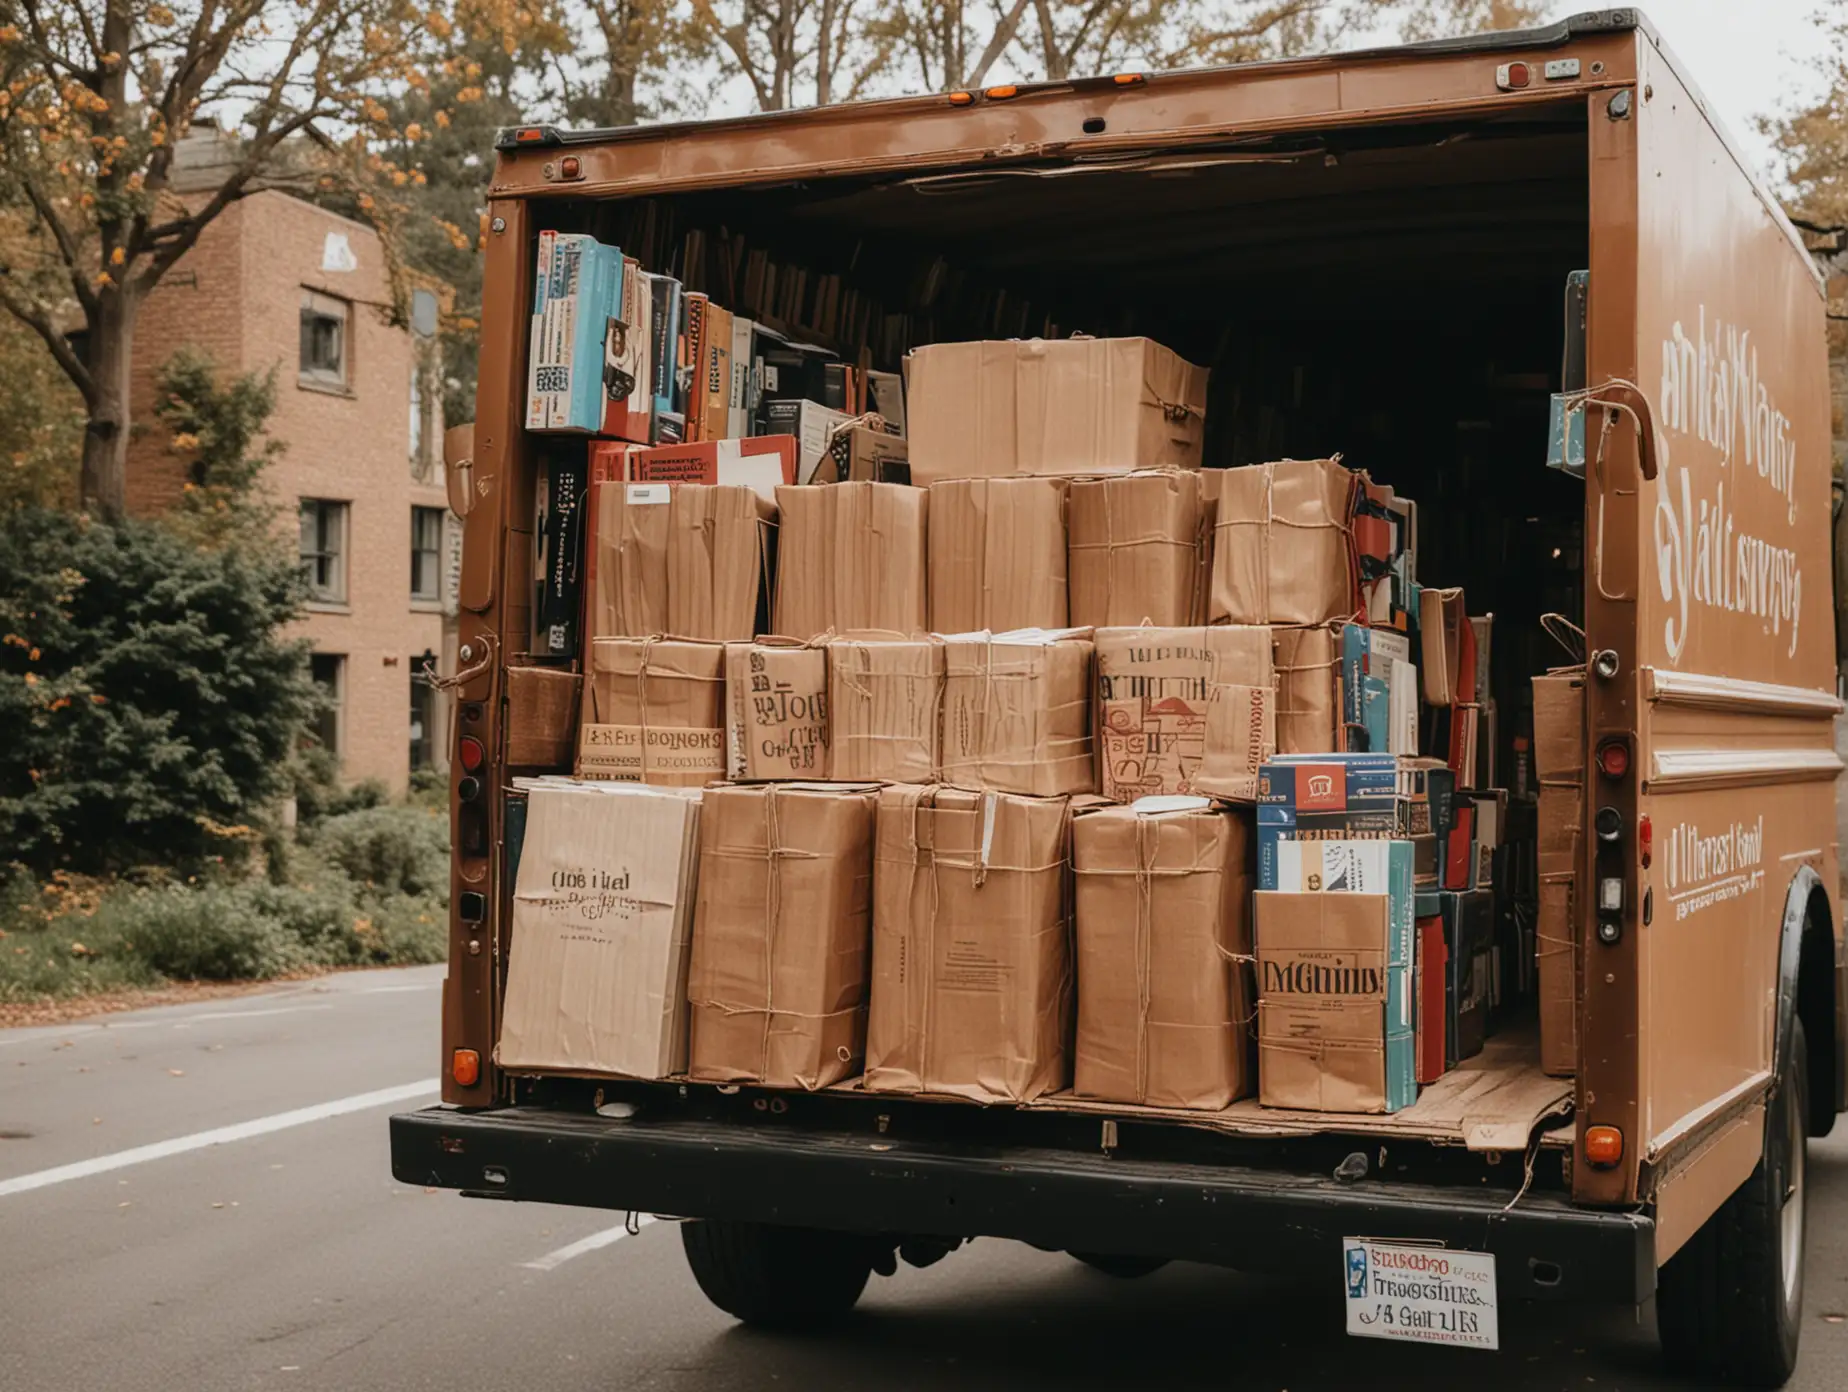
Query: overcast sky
(1748, 57)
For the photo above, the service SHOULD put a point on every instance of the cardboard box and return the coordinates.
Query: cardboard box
(1136, 546)
(864, 454)
(850, 559)
(654, 712)
(810, 422)
(1335, 961)
(1280, 544)
(762, 463)
(1155, 687)
(971, 991)
(1163, 933)
(777, 987)
(558, 552)
(602, 920)
(885, 704)
(1447, 648)
(1017, 712)
(1559, 726)
(575, 290)
(628, 394)
(1308, 667)
(1039, 406)
(776, 710)
(1559, 761)
(688, 559)
(997, 555)
(1348, 797)
(542, 717)
(1557, 948)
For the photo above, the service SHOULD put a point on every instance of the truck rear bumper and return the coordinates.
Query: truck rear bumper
(1249, 1218)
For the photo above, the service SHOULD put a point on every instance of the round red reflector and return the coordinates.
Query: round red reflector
(1519, 75)
(470, 750)
(1614, 759)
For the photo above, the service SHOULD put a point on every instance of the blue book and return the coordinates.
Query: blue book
(573, 291)
(1367, 658)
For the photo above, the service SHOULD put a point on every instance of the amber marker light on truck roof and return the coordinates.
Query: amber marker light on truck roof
(1604, 1146)
(1129, 79)
(465, 1067)
(1002, 93)
(962, 98)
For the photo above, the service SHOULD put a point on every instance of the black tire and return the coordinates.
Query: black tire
(1727, 1307)
(777, 1278)
(1122, 1267)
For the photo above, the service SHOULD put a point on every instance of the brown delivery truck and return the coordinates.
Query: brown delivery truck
(1525, 279)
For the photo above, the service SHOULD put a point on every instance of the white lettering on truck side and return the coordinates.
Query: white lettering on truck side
(1711, 392)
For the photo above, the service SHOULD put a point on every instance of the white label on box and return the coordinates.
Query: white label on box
(648, 494)
(1425, 1295)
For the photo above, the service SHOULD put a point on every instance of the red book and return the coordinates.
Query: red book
(1433, 989)
(758, 461)
(1460, 849)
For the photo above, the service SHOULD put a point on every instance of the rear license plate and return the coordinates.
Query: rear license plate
(1427, 1295)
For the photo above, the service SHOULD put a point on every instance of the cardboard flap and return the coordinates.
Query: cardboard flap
(1315, 922)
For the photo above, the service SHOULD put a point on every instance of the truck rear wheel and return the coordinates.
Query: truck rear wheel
(776, 1277)
(1729, 1304)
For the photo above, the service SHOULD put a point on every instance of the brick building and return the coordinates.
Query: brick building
(276, 282)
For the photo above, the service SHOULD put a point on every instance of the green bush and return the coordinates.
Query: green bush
(314, 779)
(149, 702)
(215, 933)
(390, 850)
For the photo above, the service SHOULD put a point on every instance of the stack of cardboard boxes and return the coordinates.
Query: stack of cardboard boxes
(964, 784)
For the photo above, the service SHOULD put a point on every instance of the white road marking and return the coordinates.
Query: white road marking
(595, 1242)
(199, 1140)
(393, 990)
(246, 1014)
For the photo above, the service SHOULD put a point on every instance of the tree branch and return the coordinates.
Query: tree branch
(1005, 30)
(68, 249)
(40, 323)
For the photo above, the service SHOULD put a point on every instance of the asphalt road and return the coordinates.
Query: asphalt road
(285, 1256)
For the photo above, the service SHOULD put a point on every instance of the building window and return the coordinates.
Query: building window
(423, 716)
(324, 529)
(325, 324)
(328, 671)
(426, 553)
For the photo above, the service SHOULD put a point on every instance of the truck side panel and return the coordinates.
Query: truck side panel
(1732, 682)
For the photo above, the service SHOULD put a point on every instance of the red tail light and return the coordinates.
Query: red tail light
(1613, 758)
(472, 754)
(1645, 839)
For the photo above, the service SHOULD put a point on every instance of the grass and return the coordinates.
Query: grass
(367, 887)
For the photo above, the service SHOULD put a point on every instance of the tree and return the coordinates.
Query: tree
(95, 95)
(150, 699)
(1434, 19)
(41, 423)
(1812, 142)
(832, 48)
